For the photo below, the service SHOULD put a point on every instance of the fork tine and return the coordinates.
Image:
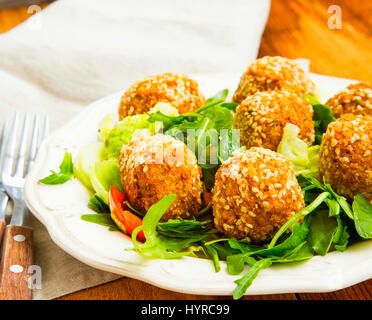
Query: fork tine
(22, 148)
(2, 142)
(46, 127)
(11, 147)
(34, 142)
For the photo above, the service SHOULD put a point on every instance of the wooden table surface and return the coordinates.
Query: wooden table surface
(296, 28)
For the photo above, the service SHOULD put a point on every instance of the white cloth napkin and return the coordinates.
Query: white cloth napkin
(77, 51)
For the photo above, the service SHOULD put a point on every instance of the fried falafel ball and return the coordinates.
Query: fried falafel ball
(273, 73)
(152, 167)
(255, 193)
(346, 156)
(355, 99)
(180, 91)
(262, 117)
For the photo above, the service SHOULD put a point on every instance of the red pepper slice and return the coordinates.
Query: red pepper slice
(207, 197)
(126, 220)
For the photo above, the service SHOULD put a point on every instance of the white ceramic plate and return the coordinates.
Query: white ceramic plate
(59, 208)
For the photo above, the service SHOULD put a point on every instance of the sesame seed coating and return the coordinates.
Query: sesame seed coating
(255, 193)
(152, 167)
(273, 73)
(355, 99)
(262, 117)
(177, 89)
(346, 156)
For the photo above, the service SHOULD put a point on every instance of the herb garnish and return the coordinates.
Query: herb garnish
(65, 174)
(322, 117)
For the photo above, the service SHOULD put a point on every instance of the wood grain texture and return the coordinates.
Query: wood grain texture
(17, 255)
(131, 289)
(296, 29)
(299, 29)
(2, 227)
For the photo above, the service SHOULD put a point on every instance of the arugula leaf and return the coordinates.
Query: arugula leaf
(223, 250)
(235, 263)
(221, 94)
(158, 246)
(230, 105)
(306, 181)
(244, 282)
(134, 210)
(322, 230)
(322, 117)
(98, 205)
(298, 216)
(335, 202)
(65, 174)
(101, 219)
(185, 228)
(297, 237)
(341, 236)
(295, 248)
(242, 246)
(334, 207)
(208, 132)
(302, 252)
(341, 201)
(362, 209)
(213, 254)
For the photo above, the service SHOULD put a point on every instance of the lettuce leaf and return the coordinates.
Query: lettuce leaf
(124, 131)
(104, 175)
(304, 160)
(85, 161)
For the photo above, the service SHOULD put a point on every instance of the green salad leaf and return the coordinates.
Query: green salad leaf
(124, 131)
(322, 117)
(158, 246)
(341, 236)
(236, 263)
(300, 253)
(180, 228)
(304, 160)
(362, 209)
(208, 132)
(85, 161)
(104, 175)
(65, 174)
(322, 230)
(244, 282)
(101, 219)
(98, 205)
(298, 216)
(213, 254)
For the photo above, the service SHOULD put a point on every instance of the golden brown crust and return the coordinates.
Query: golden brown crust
(273, 73)
(152, 167)
(355, 99)
(262, 117)
(177, 89)
(255, 193)
(346, 156)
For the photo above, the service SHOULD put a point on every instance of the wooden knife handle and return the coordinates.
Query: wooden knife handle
(16, 259)
(2, 227)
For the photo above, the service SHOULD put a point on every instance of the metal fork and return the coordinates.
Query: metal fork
(17, 256)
